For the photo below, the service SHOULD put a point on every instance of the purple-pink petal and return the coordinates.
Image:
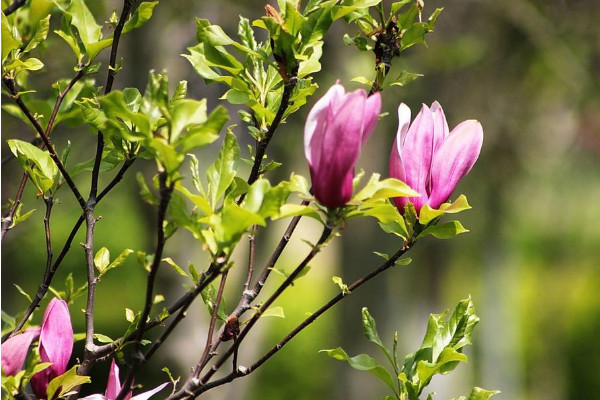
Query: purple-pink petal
(454, 159)
(316, 122)
(336, 129)
(149, 393)
(14, 351)
(430, 159)
(417, 153)
(371, 115)
(113, 386)
(56, 344)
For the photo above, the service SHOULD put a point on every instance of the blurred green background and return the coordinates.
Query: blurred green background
(528, 70)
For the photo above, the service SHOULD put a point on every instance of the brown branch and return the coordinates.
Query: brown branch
(237, 373)
(49, 203)
(7, 220)
(262, 145)
(193, 384)
(14, 7)
(248, 296)
(11, 86)
(138, 356)
(211, 327)
(43, 288)
(90, 348)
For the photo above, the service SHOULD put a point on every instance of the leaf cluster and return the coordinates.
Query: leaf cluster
(439, 354)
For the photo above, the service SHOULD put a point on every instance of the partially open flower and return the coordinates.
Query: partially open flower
(113, 387)
(56, 345)
(429, 158)
(14, 351)
(337, 127)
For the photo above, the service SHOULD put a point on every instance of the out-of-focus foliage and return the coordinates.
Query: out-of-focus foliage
(526, 69)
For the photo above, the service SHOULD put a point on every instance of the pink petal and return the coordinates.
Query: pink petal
(396, 169)
(56, 336)
(56, 344)
(403, 124)
(113, 386)
(341, 146)
(440, 125)
(95, 396)
(417, 154)
(149, 393)
(454, 159)
(314, 129)
(14, 351)
(371, 115)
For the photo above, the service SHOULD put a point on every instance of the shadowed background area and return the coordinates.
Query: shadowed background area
(527, 69)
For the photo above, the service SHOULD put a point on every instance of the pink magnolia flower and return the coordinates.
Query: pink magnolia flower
(429, 158)
(55, 346)
(113, 387)
(14, 351)
(337, 127)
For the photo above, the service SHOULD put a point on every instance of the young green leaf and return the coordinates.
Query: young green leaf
(363, 362)
(221, 173)
(65, 383)
(444, 231)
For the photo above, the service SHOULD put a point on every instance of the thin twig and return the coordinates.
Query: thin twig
(211, 327)
(90, 348)
(10, 85)
(261, 148)
(248, 296)
(7, 220)
(251, 252)
(14, 7)
(49, 202)
(237, 373)
(181, 305)
(43, 288)
(192, 384)
(138, 356)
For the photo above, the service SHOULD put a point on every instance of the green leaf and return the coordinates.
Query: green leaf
(445, 363)
(427, 214)
(274, 312)
(340, 283)
(440, 350)
(403, 79)
(390, 187)
(66, 382)
(363, 362)
(10, 42)
(24, 293)
(82, 19)
(185, 113)
(205, 133)
(39, 36)
(31, 64)
(102, 259)
(129, 315)
(370, 331)
(102, 338)
(43, 171)
(231, 224)
(246, 34)
(176, 267)
(444, 231)
(293, 210)
(221, 173)
(141, 15)
(482, 394)
(119, 260)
